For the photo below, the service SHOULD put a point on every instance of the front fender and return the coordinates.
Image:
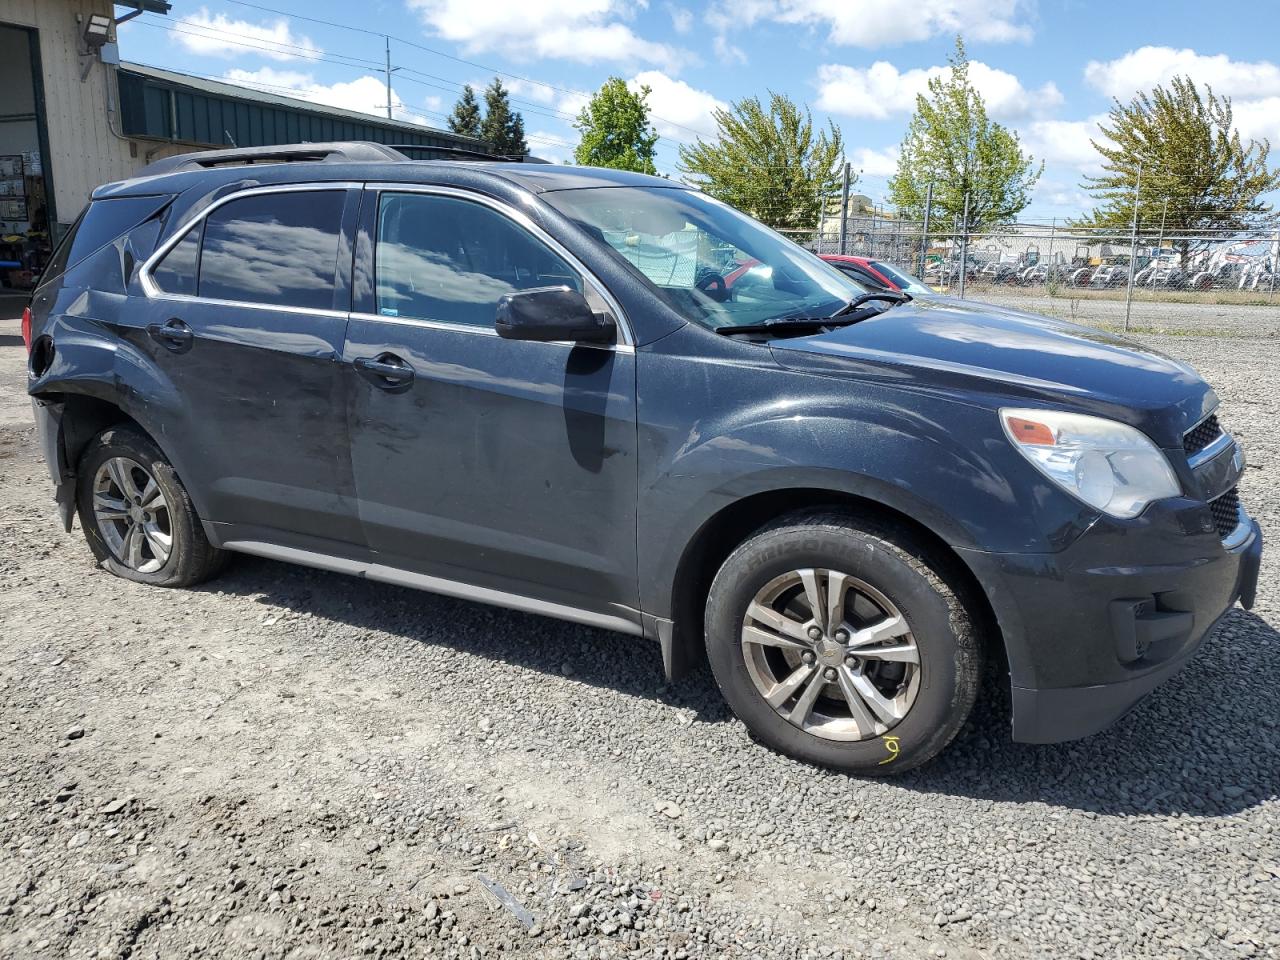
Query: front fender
(941, 462)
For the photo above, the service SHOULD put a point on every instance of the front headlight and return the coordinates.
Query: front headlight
(1108, 465)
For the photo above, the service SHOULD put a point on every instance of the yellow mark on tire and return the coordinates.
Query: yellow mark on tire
(890, 744)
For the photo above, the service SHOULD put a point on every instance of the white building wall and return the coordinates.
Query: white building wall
(82, 116)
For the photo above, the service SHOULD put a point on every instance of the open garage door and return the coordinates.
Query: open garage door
(25, 189)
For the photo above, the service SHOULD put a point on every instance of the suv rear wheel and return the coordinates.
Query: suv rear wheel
(838, 641)
(136, 515)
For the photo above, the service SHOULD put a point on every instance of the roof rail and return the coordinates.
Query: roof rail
(461, 153)
(349, 152)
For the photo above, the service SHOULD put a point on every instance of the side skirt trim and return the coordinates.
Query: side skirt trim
(622, 623)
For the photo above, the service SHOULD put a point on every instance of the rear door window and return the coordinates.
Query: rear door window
(176, 272)
(274, 249)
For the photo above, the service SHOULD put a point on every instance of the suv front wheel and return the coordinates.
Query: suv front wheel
(838, 641)
(136, 515)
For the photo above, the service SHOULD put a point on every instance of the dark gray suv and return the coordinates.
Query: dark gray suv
(608, 398)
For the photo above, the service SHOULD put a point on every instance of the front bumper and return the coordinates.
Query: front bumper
(1093, 629)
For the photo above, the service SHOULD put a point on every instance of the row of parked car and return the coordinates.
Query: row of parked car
(1222, 276)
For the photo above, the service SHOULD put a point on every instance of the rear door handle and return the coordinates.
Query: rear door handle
(386, 371)
(172, 335)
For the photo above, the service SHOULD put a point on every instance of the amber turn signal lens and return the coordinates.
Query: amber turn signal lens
(1029, 431)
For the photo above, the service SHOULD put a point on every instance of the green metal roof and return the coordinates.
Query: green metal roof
(165, 105)
(146, 6)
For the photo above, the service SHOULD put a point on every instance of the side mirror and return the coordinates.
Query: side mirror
(549, 314)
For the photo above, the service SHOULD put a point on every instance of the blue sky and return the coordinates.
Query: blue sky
(1047, 68)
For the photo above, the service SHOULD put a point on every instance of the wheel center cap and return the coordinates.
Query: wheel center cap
(135, 514)
(830, 653)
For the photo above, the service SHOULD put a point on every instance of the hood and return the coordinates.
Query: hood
(964, 347)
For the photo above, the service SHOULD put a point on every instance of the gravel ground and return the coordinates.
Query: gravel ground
(289, 763)
(1146, 315)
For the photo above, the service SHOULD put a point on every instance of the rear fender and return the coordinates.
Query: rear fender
(98, 377)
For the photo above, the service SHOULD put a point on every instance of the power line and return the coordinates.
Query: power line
(441, 53)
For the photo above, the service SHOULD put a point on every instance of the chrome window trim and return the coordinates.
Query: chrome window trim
(153, 292)
(624, 348)
(521, 219)
(1204, 455)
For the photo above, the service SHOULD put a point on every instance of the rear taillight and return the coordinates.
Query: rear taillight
(26, 328)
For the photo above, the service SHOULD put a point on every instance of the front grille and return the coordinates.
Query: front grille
(1201, 435)
(1226, 512)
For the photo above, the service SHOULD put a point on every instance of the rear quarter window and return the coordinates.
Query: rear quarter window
(101, 222)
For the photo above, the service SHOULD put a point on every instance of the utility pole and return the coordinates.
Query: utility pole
(844, 206)
(1133, 248)
(388, 77)
(924, 236)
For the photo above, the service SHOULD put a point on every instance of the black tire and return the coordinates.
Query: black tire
(191, 558)
(904, 572)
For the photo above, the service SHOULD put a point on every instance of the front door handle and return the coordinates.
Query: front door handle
(386, 371)
(172, 335)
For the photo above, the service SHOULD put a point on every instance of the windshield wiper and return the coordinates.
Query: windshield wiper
(780, 325)
(893, 296)
(845, 316)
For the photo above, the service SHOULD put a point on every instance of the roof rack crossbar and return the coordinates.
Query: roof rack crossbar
(337, 152)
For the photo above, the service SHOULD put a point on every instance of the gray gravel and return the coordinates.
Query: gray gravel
(288, 763)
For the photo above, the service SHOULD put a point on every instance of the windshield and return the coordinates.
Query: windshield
(904, 280)
(712, 264)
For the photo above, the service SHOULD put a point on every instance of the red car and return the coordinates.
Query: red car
(875, 274)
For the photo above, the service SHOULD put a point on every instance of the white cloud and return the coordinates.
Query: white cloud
(684, 110)
(523, 90)
(875, 163)
(881, 90)
(367, 94)
(681, 19)
(1145, 67)
(1253, 86)
(1258, 119)
(586, 31)
(1065, 143)
(885, 22)
(221, 36)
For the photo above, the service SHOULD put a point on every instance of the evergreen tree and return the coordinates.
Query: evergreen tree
(502, 128)
(465, 118)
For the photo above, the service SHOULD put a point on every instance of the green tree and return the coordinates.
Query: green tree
(502, 127)
(768, 162)
(1198, 176)
(615, 129)
(953, 145)
(465, 118)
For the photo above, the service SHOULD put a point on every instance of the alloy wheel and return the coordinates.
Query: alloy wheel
(831, 654)
(132, 514)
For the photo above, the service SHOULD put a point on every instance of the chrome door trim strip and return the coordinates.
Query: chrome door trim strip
(526, 223)
(622, 622)
(623, 348)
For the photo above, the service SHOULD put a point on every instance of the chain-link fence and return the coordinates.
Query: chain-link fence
(1221, 281)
